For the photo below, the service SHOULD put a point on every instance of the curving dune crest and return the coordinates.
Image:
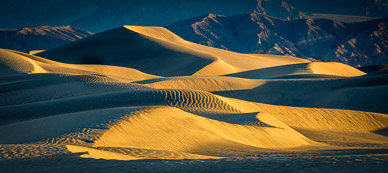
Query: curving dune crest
(144, 93)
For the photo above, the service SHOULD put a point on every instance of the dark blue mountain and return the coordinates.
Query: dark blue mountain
(39, 38)
(356, 44)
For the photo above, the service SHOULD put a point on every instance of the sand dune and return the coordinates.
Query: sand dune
(141, 52)
(151, 49)
(18, 62)
(144, 93)
(305, 70)
(176, 136)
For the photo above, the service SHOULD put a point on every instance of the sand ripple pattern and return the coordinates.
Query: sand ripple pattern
(192, 101)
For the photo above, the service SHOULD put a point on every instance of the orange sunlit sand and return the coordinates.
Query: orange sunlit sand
(152, 95)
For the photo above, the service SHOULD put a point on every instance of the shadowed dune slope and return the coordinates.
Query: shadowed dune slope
(363, 93)
(316, 118)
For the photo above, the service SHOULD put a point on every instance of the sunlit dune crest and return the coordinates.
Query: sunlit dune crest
(136, 92)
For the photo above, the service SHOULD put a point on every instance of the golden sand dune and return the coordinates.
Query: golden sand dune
(147, 129)
(144, 93)
(155, 49)
(303, 70)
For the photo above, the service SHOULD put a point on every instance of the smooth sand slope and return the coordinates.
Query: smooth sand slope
(144, 93)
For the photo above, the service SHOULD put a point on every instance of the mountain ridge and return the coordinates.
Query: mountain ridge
(40, 38)
(100, 15)
(356, 44)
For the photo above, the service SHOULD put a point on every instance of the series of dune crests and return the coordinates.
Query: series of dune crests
(144, 93)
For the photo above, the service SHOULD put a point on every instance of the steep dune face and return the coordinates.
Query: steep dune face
(172, 99)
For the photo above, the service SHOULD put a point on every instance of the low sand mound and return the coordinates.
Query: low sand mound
(171, 129)
(304, 70)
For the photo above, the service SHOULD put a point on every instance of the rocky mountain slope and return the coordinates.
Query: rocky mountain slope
(356, 44)
(295, 9)
(39, 38)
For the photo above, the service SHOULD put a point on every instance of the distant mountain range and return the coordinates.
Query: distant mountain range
(39, 38)
(100, 15)
(356, 44)
(295, 9)
(350, 31)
